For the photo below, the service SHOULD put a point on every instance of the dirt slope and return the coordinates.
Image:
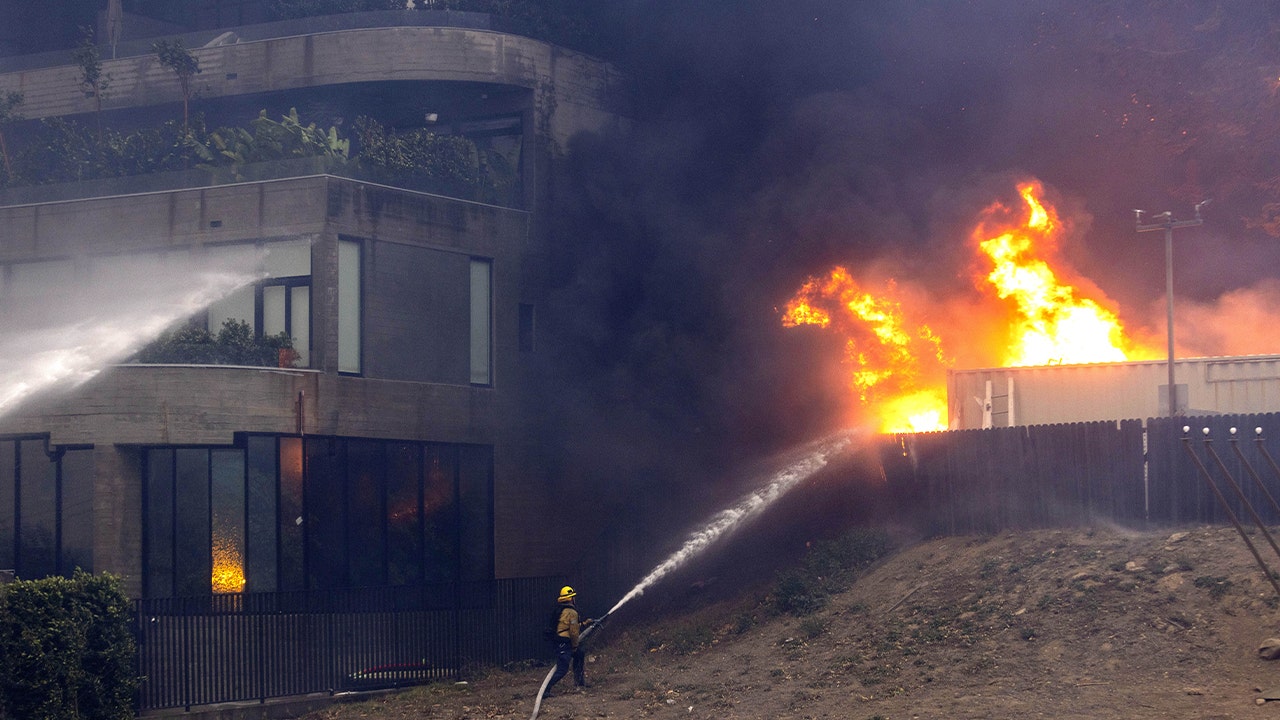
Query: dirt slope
(1051, 624)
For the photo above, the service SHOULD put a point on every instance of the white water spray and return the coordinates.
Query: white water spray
(63, 336)
(813, 458)
(742, 512)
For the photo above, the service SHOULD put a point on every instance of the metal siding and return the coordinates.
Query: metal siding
(1117, 391)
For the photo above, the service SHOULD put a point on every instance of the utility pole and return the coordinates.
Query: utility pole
(1168, 225)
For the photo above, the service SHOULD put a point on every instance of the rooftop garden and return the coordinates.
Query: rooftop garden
(60, 150)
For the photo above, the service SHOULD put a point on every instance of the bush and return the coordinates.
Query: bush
(234, 344)
(65, 151)
(416, 156)
(61, 151)
(798, 593)
(66, 649)
(838, 559)
(827, 568)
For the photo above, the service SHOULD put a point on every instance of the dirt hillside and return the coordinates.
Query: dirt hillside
(1047, 624)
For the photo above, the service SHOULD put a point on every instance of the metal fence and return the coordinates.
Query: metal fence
(253, 646)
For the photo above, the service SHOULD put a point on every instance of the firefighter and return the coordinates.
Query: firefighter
(569, 627)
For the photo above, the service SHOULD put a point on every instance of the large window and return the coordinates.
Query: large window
(481, 301)
(290, 513)
(430, 315)
(349, 268)
(46, 508)
(280, 302)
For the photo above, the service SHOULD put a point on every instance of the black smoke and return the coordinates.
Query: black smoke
(772, 139)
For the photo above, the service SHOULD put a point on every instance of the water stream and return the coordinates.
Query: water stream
(813, 458)
(59, 336)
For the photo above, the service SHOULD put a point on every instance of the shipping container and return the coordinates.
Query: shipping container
(1044, 395)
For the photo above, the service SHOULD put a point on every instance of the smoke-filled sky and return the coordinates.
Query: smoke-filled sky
(776, 139)
(773, 139)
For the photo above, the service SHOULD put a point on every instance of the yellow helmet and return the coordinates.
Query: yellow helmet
(567, 593)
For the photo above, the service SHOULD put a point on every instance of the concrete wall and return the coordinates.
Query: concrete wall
(163, 220)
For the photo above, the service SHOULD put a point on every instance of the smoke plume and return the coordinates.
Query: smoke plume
(773, 140)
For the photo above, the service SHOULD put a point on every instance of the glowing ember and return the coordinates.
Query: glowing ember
(898, 364)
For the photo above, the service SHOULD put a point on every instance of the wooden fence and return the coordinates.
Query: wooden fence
(1129, 472)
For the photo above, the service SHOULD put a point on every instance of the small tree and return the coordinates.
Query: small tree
(9, 104)
(177, 58)
(92, 79)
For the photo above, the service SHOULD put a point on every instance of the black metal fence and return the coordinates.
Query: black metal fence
(253, 646)
(975, 481)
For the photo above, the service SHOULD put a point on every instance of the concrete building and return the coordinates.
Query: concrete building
(396, 448)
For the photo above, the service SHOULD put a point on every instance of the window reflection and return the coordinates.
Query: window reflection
(46, 506)
(291, 530)
(226, 481)
(288, 513)
(37, 502)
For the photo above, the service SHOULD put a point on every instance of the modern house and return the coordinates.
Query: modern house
(393, 447)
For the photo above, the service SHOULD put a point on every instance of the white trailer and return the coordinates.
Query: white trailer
(1044, 395)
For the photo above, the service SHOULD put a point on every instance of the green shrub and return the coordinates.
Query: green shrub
(417, 157)
(59, 150)
(798, 593)
(234, 344)
(66, 649)
(1217, 586)
(267, 140)
(812, 627)
(840, 559)
(827, 568)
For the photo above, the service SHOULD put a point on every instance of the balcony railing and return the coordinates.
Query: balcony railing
(267, 31)
(253, 172)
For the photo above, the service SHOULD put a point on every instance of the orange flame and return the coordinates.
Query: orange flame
(1053, 325)
(898, 363)
(884, 348)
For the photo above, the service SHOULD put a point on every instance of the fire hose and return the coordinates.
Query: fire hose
(537, 703)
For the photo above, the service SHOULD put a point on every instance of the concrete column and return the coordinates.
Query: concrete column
(117, 512)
